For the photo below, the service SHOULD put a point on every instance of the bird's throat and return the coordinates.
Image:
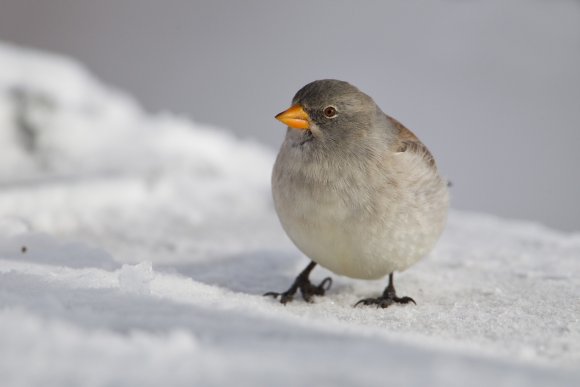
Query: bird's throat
(305, 138)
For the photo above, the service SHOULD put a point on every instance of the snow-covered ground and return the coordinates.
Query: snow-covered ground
(134, 250)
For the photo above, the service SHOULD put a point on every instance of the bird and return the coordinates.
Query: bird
(356, 191)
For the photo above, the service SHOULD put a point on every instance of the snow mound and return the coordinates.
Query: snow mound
(134, 249)
(98, 164)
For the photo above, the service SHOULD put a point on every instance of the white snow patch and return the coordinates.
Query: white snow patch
(136, 278)
(135, 248)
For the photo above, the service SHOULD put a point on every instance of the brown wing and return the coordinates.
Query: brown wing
(408, 142)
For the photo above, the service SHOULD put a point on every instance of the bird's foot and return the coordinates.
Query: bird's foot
(306, 288)
(385, 301)
(388, 298)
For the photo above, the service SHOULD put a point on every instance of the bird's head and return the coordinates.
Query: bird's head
(331, 113)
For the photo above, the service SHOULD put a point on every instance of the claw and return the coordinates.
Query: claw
(384, 301)
(388, 298)
(404, 300)
(325, 281)
(365, 301)
(302, 283)
(284, 297)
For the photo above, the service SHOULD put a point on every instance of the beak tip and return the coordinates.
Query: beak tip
(295, 117)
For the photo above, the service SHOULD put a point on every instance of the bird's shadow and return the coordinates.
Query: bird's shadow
(253, 272)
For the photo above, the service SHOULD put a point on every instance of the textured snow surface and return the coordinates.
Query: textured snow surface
(134, 250)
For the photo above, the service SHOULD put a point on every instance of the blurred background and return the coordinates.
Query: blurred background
(492, 87)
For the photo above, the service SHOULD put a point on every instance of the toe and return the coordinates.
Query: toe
(385, 303)
(286, 298)
(325, 284)
(366, 301)
(307, 294)
(405, 300)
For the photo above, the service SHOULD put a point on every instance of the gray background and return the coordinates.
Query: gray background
(492, 87)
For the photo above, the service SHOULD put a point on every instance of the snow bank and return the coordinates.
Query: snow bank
(83, 160)
(134, 250)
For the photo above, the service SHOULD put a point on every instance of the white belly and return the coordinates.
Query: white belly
(388, 233)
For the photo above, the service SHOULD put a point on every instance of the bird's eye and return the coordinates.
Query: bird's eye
(329, 111)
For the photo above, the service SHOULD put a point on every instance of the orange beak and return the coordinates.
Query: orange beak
(295, 117)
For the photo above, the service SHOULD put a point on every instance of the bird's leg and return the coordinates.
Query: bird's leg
(388, 298)
(306, 287)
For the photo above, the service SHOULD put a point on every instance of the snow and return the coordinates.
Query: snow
(134, 249)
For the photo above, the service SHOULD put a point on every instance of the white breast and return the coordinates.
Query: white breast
(358, 225)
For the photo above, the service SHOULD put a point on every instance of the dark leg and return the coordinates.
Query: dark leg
(389, 297)
(306, 288)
